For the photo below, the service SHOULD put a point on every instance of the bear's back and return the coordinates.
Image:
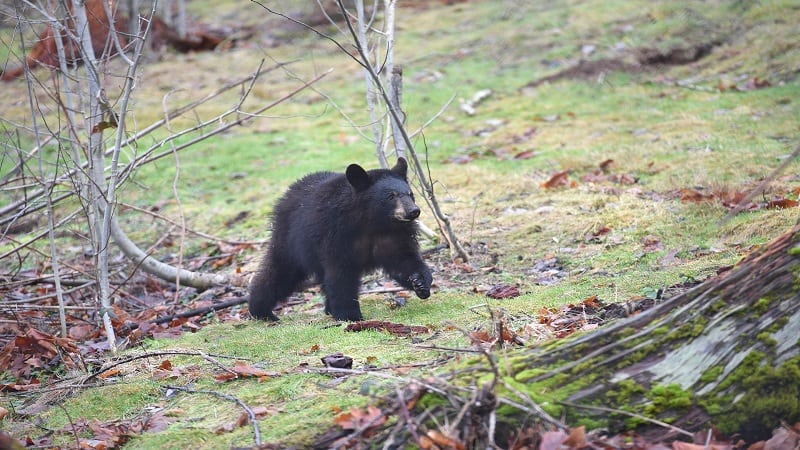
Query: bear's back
(311, 187)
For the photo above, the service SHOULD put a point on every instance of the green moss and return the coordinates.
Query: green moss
(689, 330)
(660, 331)
(624, 392)
(542, 395)
(585, 366)
(580, 349)
(718, 305)
(771, 395)
(711, 374)
(667, 398)
(555, 382)
(430, 401)
(749, 365)
(642, 353)
(528, 374)
(575, 386)
(626, 332)
(659, 401)
(761, 305)
(795, 251)
(591, 424)
(778, 325)
(767, 339)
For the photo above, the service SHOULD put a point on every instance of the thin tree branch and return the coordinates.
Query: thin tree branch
(167, 272)
(49, 203)
(760, 188)
(455, 246)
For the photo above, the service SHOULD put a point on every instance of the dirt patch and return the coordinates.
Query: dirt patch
(646, 59)
(675, 56)
(588, 70)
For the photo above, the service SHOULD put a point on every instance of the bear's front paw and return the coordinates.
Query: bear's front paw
(347, 315)
(421, 284)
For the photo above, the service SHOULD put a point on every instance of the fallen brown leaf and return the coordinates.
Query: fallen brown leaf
(559, 179)
(500, 291)
(552, 440)
(576, 438)
(438, 438)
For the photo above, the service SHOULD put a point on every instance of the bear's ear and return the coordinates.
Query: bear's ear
(358, 177)
(401, 167)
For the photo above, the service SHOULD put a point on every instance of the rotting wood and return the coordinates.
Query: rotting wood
(724, 354)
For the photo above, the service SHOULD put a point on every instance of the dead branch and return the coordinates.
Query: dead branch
(167, 272)
(363, 60)
(201, 311)
(207, 356)
(761, 186)
(25, 206)
(250, 413)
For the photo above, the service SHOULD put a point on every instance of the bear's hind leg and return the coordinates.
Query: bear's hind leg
(272, 284)
(341, 295)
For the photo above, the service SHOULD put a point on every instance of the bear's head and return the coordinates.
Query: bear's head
(387, 192)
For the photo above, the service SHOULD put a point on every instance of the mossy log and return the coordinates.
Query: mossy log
(725, 354)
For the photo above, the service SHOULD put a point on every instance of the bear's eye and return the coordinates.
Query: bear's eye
(391, 195)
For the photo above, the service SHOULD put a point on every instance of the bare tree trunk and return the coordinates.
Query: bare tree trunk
(370, 90)
(180, 26)
(97, 187)
(133, 16)
(62, 315)
(397, 118)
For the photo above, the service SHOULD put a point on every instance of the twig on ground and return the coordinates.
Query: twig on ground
(406, 415)
(760, 188)
(250, 413)
(533, 408)
(201, 311)
(71, 424)
(25, 302)
(628, 413)
(121, 362)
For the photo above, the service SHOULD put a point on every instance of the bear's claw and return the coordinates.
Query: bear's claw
(421, 285)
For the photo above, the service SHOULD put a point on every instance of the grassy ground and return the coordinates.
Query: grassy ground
(669, 127)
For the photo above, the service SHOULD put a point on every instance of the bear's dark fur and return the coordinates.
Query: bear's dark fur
(336, 227)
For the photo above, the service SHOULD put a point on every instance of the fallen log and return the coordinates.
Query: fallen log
(724, 355)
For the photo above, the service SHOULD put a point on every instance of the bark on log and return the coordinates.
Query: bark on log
(724, 354)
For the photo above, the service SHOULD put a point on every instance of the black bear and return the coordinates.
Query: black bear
(336, 227)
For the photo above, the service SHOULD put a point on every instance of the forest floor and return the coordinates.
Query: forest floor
(589, 159)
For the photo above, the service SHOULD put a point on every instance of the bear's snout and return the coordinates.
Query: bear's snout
(406, 210)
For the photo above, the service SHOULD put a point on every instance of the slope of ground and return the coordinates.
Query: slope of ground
(615, 137)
